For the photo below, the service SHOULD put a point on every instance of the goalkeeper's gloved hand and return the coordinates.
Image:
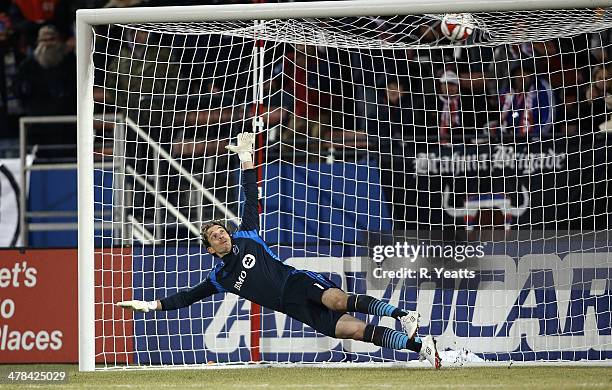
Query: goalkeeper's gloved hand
(246, 142)
(140, 306)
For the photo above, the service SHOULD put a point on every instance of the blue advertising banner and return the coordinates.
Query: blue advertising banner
(536, 306)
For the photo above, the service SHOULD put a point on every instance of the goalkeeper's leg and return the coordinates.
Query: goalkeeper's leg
(349, 327)
(336, 299)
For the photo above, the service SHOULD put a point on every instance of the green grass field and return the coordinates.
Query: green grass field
(331, 378)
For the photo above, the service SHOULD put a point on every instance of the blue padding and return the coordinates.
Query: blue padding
(312, 203)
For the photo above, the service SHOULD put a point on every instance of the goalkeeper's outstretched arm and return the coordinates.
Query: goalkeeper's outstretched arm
(176, 301)
(244, 149)
(250, 221)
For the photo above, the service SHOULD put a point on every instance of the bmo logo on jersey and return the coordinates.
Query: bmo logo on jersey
(248, 262)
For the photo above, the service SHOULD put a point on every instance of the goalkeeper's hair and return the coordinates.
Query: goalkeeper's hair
(208, 225)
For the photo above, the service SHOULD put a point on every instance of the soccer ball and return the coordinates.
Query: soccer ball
(457, 27)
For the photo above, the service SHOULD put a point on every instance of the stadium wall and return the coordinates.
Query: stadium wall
(553, 320)
(38, 315)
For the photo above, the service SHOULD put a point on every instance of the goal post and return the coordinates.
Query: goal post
(335, 162)
(85, 190)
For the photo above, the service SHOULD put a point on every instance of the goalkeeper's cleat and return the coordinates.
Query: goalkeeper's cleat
(140, 306)
(410, 323)
(429, 351)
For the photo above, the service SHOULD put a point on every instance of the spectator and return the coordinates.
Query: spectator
(507, 57)
(597, 103)
(10, 57)
(142, 82)
(527, 108)
(460, 114)
(599, 47)
(47, 78)
(391, 117)
(206, 132)
(142, 79)
(46, 85)
(36, 11)
(28, 16)
(309, 77)
(470, 65)
(65, 15)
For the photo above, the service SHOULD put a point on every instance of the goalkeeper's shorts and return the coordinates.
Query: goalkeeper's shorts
(302, 301)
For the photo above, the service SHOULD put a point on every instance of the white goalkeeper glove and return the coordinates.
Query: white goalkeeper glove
(246, 142)
(140, 306)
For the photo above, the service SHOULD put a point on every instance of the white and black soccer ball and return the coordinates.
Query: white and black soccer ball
(457, 27)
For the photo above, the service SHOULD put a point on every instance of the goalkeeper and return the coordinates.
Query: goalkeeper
(250, 269)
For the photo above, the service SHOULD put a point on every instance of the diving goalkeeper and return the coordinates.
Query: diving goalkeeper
(249, 269)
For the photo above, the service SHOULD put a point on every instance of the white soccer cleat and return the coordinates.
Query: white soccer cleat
(429, 351)
(410, 323)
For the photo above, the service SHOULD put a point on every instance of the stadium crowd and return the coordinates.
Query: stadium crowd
(38, 63)
(316, 99)
(533, 89)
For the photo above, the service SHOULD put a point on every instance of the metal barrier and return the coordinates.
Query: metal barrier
(131, 228)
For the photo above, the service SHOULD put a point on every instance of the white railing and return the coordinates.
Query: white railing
(27, 166)
(130, 227)
(161, 153)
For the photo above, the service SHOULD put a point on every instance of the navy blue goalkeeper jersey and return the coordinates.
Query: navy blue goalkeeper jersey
(251, 270)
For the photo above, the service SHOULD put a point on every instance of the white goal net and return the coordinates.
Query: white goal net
(489, 130)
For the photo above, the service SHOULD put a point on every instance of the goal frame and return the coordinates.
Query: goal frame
(87, 18)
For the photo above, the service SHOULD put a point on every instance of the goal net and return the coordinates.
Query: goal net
(379, 138)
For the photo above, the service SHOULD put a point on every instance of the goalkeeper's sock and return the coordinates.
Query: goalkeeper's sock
(370, 305)
(390, 338)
